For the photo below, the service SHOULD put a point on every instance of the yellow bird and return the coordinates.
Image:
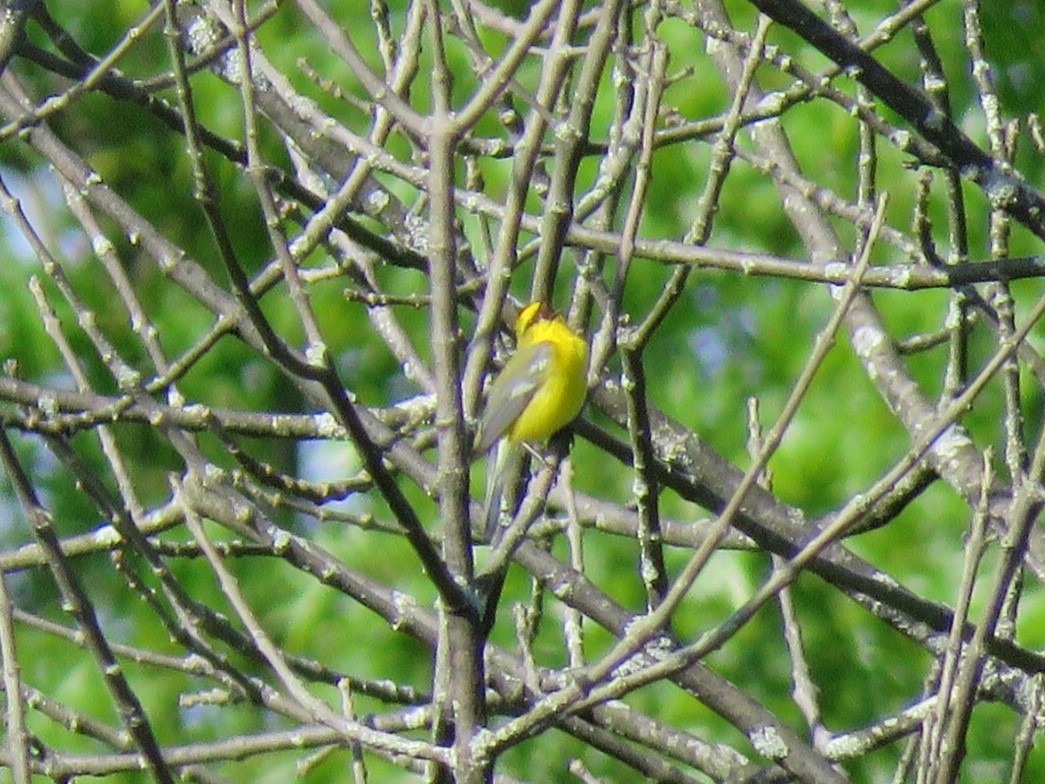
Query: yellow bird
(540, 390)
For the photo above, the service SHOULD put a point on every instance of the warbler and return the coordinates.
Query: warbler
(540, 390)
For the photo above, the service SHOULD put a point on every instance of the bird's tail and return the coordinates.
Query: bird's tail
(503, 475)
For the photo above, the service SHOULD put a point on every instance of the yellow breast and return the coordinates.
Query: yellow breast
(560, 396)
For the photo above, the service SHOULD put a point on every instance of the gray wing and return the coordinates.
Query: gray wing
(512, 391)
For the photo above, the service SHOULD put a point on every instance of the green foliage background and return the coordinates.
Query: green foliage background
(733, 338)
